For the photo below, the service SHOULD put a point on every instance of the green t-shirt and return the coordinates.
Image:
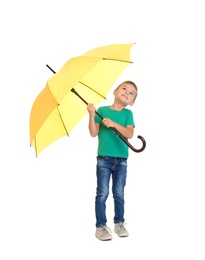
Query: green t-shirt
(109, 143)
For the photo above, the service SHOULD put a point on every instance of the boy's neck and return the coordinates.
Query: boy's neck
(118, 107)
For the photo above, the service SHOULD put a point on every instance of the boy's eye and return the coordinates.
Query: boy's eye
(131, 93)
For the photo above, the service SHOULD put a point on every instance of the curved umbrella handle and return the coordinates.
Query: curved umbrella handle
(125, 141)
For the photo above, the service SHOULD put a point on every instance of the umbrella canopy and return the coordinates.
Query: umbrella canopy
(57, 110)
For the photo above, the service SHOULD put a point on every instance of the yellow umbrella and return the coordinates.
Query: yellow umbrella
(57, 109)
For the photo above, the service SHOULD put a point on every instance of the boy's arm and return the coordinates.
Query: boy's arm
(92, 125)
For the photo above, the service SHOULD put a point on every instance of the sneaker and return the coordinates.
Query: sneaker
(103, 233)
(120, 230)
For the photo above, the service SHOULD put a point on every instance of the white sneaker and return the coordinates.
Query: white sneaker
(103, 233)
(121, 230)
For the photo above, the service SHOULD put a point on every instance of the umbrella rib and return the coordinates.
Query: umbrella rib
(62, 121)
(119, 60)
(92, 89)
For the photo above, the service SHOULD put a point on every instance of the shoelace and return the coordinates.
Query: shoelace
(122, 225)
(105, 228)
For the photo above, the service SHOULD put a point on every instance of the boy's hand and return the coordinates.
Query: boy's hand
(91, 109)
(108, 122)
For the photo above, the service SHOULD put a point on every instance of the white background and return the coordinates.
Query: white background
(47, 203)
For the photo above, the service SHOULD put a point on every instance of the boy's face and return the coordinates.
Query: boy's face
(126, 93)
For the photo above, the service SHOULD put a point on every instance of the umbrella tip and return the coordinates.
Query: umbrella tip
(50, 68)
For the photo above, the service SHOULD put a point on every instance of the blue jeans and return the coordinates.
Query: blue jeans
(107, 167)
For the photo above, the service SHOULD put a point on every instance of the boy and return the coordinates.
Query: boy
(112, 154)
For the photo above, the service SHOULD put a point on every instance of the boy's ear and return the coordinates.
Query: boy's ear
(132, 103)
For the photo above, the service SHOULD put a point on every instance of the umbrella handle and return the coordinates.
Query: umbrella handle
(125, 141)
(115, 130)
